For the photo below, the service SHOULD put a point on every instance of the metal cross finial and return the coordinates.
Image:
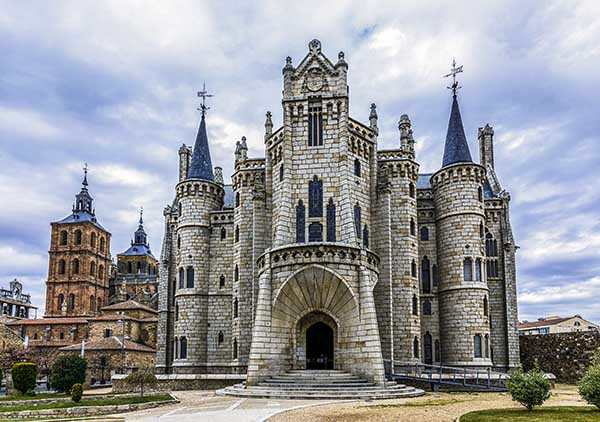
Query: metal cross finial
(204, 95)
(141, 213)
(453, 72)
(85, 170)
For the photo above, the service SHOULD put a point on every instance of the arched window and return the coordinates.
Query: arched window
(129, 268)
(237, 233)
(436, 351)
(281, 172)
(366, 236)
(181, 278)
(477, 345)
(235, 349)
(64, 237)
(75, 266)
(413, 268)
(357, 167)
(236, 273)
(71, 303)
(478, 269)
(176, 342)
(300, 222)
(101, 272)
(491, 246)
(102, 244)
(315, 232)
(411, 190)
(183, 348)
(93, 240)
(237, 199)
(357, 222)
(479, 194)
(425, 277)
(78, 237)
(61, 335)
(235, 307)
(92, 268)
(485, 306)
(492, 268)
(61, 266)
(486, 345)
(416, 347)
(315, 197)
(481, 234)
(177, 312)
(331, 237)
(190, 277)
(415, 305)
(427, 308)
(92, 304)
(315, 124)
(223, 233)
(435, 276)
(178, 242)
(221, 281)
(412, 227)
(59, 302)
(220, 338)
(468, 269)
(424, 233)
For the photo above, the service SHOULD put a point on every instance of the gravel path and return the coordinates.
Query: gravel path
(433, 407)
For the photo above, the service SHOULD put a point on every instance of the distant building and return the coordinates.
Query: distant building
(15, 303)
(556, 324)
(136, 277)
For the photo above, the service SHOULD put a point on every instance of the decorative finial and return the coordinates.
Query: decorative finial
(141, 214)
(314, 46)
(453, 72)
(85, 170)
(204, 95)
(288, 61)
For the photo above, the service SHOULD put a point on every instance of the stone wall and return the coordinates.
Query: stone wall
(566, 355)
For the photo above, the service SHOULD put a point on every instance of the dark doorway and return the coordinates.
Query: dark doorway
(319, 346)
(428, 352)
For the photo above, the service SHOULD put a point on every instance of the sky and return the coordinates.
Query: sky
(114, 84)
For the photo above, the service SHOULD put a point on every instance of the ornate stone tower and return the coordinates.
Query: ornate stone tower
(460, 220)
(79, 262)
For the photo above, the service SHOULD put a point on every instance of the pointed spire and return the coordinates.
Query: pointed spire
(457, 148)
(140, 234)
(373, 118)
(141, 216)
(201, 164)
(83, 200)
(85, 170)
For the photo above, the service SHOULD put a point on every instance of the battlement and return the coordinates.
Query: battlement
(200, 187)
(459, 172)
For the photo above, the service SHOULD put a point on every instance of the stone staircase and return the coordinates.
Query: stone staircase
(322, 385)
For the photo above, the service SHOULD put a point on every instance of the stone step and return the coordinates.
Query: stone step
(349, 394)
(317, 380)
(314, 385)
(328, 389)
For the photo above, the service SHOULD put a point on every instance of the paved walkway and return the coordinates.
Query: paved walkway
(206, 406)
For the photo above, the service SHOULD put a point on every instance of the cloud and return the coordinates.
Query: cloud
(114, 84)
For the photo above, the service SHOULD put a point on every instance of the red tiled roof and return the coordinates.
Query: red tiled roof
(110, 343)
(129, 304)
(46, 321)
(51, 343)
(543, 322)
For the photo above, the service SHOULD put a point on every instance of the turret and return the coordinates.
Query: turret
(268, 125)
(486, 146)
(373, 118)
(185, 154)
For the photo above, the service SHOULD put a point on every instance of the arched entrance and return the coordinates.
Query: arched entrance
(319, 346)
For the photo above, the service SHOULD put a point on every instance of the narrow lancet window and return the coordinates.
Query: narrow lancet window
(300, 222)
(331, 221)
(315, 197)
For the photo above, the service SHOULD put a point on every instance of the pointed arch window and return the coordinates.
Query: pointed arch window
(424, 233)
(221, 282)
(478, 269)
(491, 245)
(237, 199)
(190, 277)
(93, 240)
(78, 237)
(481, 233)
(416, 347)
(300, 222)
(315, 232)
(235, 349)
(59, 302)
(101, 272)
(412, 227)
(477, 346)
(92, 268)
(485, 306)
(220, 338)
(235, 307)
(357, 167)
(236, 273)
(315, 197)
(366, 236)
(181, 278)
(425, 276)
(64, 237)
(178, 242)
(61, 266)
(281, 172)
(413, 268)
(486, 345)
(176, 311)
(331, 221)
(492, 268)
(427, 308)
(237, 234)
(415, 305)
(357, 220)
(176, 342)
(315, 124)
(435, 276)
(75, 266)
(468, 269)
(102, 244)
(92, 304)
(411, 190)
(223, 233)
(480, 194)
(71, 303)
(183, 348)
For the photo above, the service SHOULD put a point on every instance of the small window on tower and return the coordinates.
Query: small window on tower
(411, 190)
(223, 233)
(63, 237)
(78, 237)
(315, 124)
(357, 167)
(424, 233)
(222, 282)
(281, 172)
(413, 230)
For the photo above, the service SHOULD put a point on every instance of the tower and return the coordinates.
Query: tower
(460, 218)
(79, 261)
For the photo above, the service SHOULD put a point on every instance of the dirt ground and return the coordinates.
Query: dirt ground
(432, 407)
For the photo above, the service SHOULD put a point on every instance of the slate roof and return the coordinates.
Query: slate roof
(201, 165)
(136, 249)
(81, 216)
(456, 149)
(228, 199)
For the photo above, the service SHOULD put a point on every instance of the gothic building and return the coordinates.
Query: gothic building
(332, 253)
(79, 262)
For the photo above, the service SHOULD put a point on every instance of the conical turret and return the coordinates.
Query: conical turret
(201, 165)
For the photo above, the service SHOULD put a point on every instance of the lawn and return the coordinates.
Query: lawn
(36, 397)
(545, 414)
(104, 402)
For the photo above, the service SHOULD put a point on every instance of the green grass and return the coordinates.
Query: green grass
(545, 414)
(434, 402)
(105, 402)
(36, 397)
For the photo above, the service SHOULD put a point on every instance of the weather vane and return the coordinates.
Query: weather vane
(204, 95)
(453, 72)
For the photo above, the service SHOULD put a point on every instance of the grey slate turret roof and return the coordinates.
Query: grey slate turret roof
(201, 165)
(456, 149)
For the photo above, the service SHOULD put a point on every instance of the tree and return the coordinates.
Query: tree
(24, 376)
(529, 388)
(76, 392)
(66, 371)
(589, 384)
(143, 376)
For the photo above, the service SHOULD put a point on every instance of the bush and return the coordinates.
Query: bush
(67, 371)
(589, 385)
(24, 376)
(529, 388)
(141, 377)
(76, 392)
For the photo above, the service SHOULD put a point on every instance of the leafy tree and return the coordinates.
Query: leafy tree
(143, 376)
(24, 376)
(529, 388)
(589, 384)
(67, 371)
(76, 392)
